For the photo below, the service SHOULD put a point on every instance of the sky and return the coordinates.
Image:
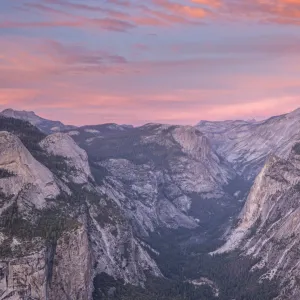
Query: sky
(140, 61)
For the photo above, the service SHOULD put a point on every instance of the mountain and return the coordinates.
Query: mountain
(163, 175)
(46, 126)
(71, 215)
(120, 212)
(247, 144)
(58, 228)
(268, 228)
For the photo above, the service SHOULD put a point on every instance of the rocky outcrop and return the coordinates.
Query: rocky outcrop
(192, 162)
(138, 189)
(116, 250)
(30, 257)
(55, 236)
(247, 144)
(155, 172)
(28, 181)
(268, 229)
(59, 271)
(275, 179)
(69, 269)
(63, 145)
(23, 277)
(46, 126)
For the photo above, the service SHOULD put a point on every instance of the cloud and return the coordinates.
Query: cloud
(260, 109)
(77, 55)
(104, 23)
(51, 17)
(78, 105)
(59, 13)
(266, 45)
(128, 76)
(15, 96)
(84, 7)
(79, 85)
(181, 10)
(123, 16)
(212, 3)
(41, 60)
(38, 61)
(41, 77)
(268, 11)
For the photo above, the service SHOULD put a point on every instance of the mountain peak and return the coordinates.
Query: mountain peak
(46, 126)
(10, 110)
(25, 115)
(295, 113)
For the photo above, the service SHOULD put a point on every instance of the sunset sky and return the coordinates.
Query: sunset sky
(139, 61)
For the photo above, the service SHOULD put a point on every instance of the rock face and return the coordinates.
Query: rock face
(45, 275)
(30, 180)
(67, 217)
(46, 126)
(156, 171)
(61, 144)
(58, 228)
(269, 228)
(116, 250)
(246, 145)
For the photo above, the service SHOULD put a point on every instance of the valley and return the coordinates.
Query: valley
(152, 212)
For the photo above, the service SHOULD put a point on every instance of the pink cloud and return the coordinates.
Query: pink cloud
(95, 107)
(36, 61)
(155, 13)
(79, 86)
(15, 97)
(280, 11)
(126, 15)
(181, 10)
(262, 108)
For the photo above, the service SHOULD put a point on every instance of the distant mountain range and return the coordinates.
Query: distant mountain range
(46, 126)
(246, 145)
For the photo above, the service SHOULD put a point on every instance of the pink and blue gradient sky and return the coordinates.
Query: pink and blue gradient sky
(139, 61)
